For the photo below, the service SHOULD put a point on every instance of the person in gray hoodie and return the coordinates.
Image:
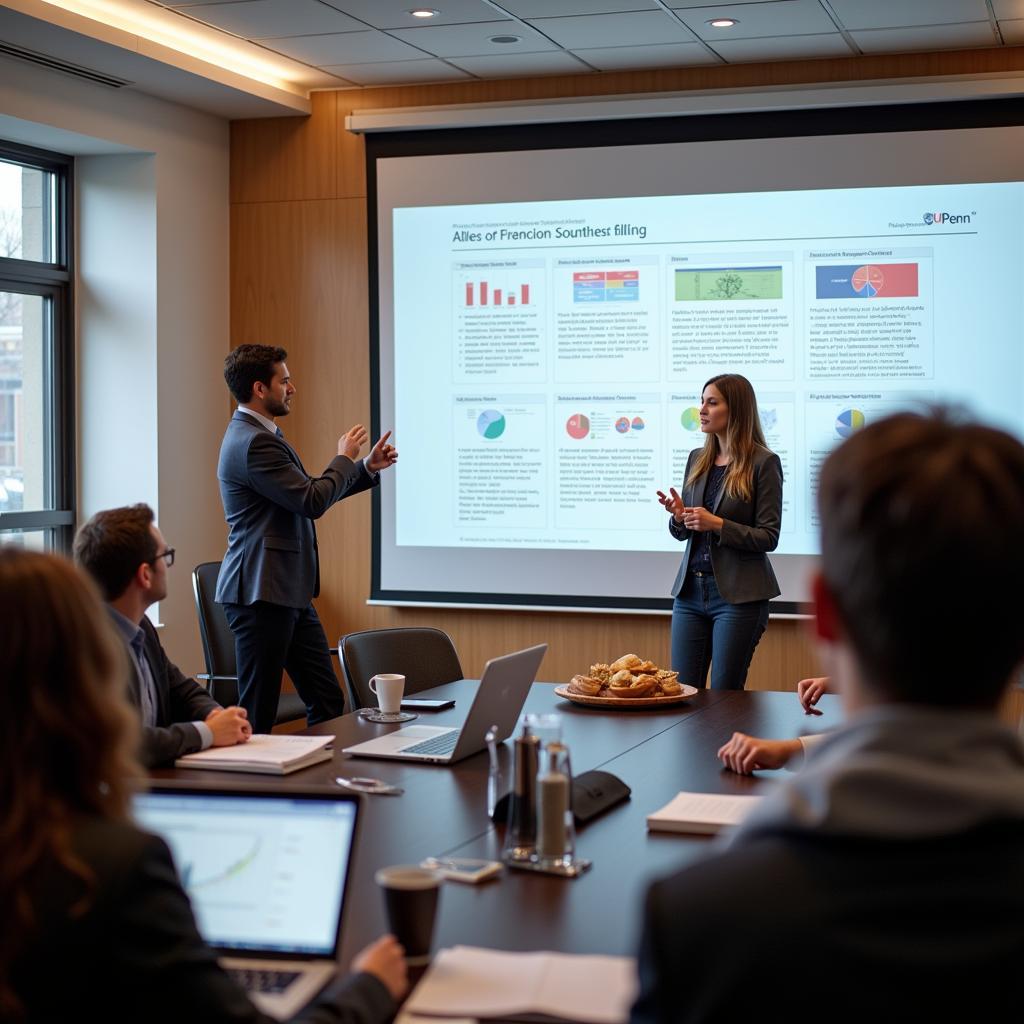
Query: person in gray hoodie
(885, 880)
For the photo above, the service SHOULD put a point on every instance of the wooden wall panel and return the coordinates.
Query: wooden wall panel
(299, 278)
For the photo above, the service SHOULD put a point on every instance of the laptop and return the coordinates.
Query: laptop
(267, 874)
(499, 700)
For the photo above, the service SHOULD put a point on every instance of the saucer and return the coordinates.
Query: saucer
(376, 715)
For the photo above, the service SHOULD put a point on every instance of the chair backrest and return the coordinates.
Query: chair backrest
(214, 631)
(426, 657)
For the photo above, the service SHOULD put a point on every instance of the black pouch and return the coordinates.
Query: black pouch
(593, 793)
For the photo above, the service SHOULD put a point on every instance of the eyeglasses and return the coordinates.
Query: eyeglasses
(167, 556)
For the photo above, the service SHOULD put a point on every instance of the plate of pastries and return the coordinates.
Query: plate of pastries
(628, 682)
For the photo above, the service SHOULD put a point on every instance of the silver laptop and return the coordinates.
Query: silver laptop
(499, 700)
(266, 873)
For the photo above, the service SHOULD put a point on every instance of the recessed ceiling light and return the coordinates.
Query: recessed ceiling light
(424, 12)
(723, 22)
(504, 39)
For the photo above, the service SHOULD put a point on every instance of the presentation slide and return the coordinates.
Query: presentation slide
(542, 361)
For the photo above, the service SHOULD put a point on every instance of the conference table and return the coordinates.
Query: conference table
(443, 812)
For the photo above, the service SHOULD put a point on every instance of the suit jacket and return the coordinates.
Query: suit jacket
(135, 954)
(751, 529)
(180, 702)
(270, 502)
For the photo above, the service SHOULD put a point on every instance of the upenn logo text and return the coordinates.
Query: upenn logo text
(947, 218)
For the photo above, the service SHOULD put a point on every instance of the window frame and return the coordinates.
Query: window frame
(53, 281)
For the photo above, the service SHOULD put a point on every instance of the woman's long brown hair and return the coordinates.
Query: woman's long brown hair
(743, 436)
(67, 734)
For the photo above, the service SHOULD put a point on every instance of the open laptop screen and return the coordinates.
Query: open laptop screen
(264, 873)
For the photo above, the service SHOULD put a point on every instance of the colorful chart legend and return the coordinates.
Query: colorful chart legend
(577, 426)
(490, 424)
(867, 281)
(606, 286)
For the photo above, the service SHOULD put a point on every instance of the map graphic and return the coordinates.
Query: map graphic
(728, 284)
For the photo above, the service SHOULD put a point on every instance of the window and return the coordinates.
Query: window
(36, 372)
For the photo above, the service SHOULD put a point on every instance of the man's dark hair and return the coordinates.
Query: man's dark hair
(921, 521)
(112, 545)
(250, 363)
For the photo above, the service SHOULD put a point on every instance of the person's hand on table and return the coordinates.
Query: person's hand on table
(672, 503)
(382, 455)
(229, 726)
(385, 960)
(351, 442)
(809, 691)
(744, 754)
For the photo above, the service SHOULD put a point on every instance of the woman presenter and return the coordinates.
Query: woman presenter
(730, 510)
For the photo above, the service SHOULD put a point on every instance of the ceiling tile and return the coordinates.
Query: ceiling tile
(1013, 31)
(778, 18)
(1008, 8)
(399, 72)
(395, 13)
(342, 48)
(864, 14)
(599, 30)
(627, 58)
(562, 8)
(934, 37)
(784, 48)
(256, 19)
(521, 65)
(474, 40)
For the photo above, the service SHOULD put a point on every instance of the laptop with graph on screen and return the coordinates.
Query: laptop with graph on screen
(267, 874)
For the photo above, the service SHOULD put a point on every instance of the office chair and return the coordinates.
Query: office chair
(426, 657)
(221, 676)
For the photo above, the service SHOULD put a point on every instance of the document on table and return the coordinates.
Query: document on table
(701, 813)
(466, 981)
(268, 755)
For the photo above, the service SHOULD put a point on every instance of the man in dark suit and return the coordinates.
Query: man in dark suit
(271, 571)
(886, 879)
(125, 553)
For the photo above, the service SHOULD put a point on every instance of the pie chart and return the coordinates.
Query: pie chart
(690, 418)
(849, 421)
(577, 426)
(637, 424)
(868, 281)
(622, 424)
(490, 424)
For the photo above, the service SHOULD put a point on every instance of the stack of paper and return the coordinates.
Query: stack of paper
(269, 755)
(475, 983)
(701, 813)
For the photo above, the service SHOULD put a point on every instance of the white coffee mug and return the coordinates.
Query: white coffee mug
(388, 688)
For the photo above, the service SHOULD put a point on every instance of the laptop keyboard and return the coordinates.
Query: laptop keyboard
(253, 979)
(443, 744)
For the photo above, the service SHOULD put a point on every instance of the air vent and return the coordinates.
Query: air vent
(55, 64)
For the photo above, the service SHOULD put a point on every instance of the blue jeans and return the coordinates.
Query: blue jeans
(707, 630)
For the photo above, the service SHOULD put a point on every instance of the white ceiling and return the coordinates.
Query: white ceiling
(378, 42)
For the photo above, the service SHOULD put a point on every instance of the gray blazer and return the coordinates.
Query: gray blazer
(270, 503)
(751, 529)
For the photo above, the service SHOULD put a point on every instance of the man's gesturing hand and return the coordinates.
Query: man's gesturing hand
(350, 444)
(382, 455)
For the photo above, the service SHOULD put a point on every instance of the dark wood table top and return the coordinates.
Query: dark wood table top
(443, 811)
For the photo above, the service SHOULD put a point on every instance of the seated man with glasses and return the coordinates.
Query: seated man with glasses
(125, 553)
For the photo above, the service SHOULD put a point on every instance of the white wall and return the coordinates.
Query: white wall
(152, 307)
